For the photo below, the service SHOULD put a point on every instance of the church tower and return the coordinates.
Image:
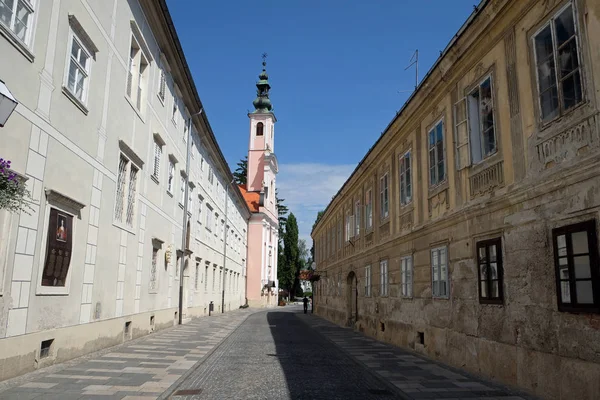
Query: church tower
(263, 229)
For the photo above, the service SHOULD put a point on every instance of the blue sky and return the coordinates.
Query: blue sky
(335, 68)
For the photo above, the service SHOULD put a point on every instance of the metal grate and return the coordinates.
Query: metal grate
(132, 195)
(121, 189)
(157, 157)
(45, 348)
(152, 284)
(187, 392)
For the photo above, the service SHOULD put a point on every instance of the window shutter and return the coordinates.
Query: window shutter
(461, 132)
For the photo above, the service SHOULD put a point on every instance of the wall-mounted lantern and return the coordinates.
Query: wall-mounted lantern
(8, 103)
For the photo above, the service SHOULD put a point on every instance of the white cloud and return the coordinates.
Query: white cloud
(308, 189)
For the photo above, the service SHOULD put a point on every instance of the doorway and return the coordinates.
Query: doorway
(351, 299)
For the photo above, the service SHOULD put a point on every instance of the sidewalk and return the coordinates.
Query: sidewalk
(414, 376)
(140, 369)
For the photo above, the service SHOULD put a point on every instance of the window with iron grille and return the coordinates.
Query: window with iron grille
(126, 197)
(557, 61)
(405, 179)
(577, 267)
(17, 16)
(162, 85)
(153, 284)
(197, 276)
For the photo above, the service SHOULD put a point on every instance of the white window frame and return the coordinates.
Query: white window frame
(181, 189)
(9, 30)
(156, 160)
(404, 176)
(384, 289)
(175, 110)
(348, 226)
(162, 85)
(368, 281)
(171, 178)
(137, 93)
(436, 272)
(407, 273)
(369, 210)
(550, 23)
(87, 69)
(209, 217)
(357, 218)
(122, 221)
(199, 217)
(384, 196)
(438, 181)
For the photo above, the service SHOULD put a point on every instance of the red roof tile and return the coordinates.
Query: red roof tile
(251, 198)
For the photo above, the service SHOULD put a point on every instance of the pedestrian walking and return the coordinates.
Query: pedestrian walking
(305, 301)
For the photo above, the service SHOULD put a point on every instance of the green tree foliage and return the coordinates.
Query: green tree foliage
(288, 271)
(241, 172)
(282, 211)
(13, 193)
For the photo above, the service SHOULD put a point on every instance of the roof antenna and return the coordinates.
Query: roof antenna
(414, 60)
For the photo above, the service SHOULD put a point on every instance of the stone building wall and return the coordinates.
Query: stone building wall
(542, 176)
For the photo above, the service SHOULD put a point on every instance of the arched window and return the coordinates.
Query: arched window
(259, 129)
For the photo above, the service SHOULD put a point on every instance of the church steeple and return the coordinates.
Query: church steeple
(262, 103)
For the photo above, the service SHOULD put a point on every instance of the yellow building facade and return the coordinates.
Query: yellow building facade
(469, 231)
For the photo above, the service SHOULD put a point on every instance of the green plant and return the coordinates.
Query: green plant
(12, 191)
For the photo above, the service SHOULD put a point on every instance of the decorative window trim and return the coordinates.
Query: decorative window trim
(129, 153)
(73, 208)
(75, 33)
(24, 47)
(135, 29)
(407, 173)
(405, 285)
(433, 293)
(384, 197)
(439, 181)
(135, 160)
(82, 35)
(384, 288)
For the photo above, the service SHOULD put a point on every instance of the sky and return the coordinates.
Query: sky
(337, 73)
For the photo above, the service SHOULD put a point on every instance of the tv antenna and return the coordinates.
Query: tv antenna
(414, 60)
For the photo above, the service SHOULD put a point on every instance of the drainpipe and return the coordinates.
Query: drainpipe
(225, 247)
(185, 216)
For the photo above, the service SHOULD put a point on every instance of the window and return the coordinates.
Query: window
(197, 276)
(216, 224)
(174, 110)
(152, 285)
(259, 129)
(157, 157)
(223, 230)
(406, 271)
(437, 167)
(576, 263)
(405, 179)
(340, 233)
(339, 284)
(138, 66)
(384, 197)
(209, 215)
(214, 278)
(559, 88)
(181, 189)
(348, 227)
(368, 281)
(17, 15)
(369, 210)
(200, 200)
(78, 68)
(357, 218)
(383, 271)
(162, 85)
(58, 248)
(333, 240)
(211, 175)
(126, 192)
(439, 272)
(206, 277)
(171, 178)
(489, 268)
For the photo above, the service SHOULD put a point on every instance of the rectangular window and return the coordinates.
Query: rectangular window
(369, 210)
(216, 224)
(152, 285)
(384, 197)
(78, 68)
(126, 192)
(162, 85)
(181, 189)
(17, 16)
(383, 271)
(200, 200)
(209, 215)
(357, 218)
(214, 278)
(405, 179)
(348, 227)
(157, 157)
(340, 233)
(211, 175)
(558, 65)
(171, 178)
(480, 106)
(136, 76)
(58, 249)
(206, 278)
(368, 281)
(406, 270)
(489, 267)
(174, 110)
(439, 272)
(576, 263)
(437, 162)
(197, 277)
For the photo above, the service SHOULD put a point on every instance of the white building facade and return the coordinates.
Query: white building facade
(106, 106)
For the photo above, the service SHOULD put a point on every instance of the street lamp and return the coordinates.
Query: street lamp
(8, 103)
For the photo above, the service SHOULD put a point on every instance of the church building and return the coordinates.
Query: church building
(259, 192)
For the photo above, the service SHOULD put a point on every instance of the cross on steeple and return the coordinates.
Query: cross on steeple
(264, 57)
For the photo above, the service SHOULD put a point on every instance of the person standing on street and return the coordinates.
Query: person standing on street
(305, 301)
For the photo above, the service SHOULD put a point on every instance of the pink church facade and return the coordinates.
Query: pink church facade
(262, 284)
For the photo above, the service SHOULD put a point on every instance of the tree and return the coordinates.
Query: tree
(288, 271)
(303, 254)
(13, 192)
(241, 172)
(282, 211)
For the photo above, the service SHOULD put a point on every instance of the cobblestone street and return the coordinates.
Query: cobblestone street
(245, 354)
